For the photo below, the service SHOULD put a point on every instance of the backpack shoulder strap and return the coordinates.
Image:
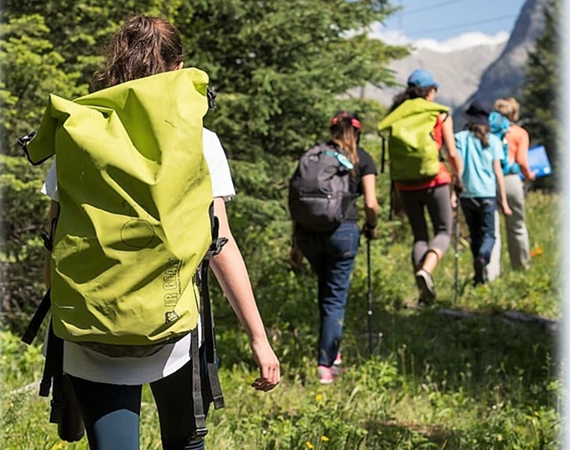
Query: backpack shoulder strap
(213, 382)
(37, 319)
(438, 128)
(208, 318)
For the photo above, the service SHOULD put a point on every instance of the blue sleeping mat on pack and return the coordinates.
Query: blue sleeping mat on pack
(538, 161)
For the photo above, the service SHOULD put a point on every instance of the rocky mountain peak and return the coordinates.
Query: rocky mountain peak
(505, 76)
(486, 71)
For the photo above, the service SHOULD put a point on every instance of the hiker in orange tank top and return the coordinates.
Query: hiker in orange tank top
(517, 163)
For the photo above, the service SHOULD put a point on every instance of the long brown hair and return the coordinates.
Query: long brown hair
(345, 132)
(410, 93)
(480, 131)
(143, 46)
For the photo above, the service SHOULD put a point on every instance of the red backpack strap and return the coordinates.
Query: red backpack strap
(438, 129)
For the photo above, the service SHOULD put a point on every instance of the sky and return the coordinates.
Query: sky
(447, 25)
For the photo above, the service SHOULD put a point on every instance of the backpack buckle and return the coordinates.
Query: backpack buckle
(211, 94)
(201, 431)
(25, 140)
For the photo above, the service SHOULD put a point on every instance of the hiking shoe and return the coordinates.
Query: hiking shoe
(325, 374)
(425, 284)
(423, 304)
(480, 272)
(337, 360)
(336, 368)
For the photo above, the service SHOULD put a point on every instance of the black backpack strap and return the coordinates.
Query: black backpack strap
(383, 159)
(53, 375)
(45, 303)
(37, 319)
(208, 317)
(211, 95)
(382, 169)
(209, 340)
(197, 400)
(54, 352)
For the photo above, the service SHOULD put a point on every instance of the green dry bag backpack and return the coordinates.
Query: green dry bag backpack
(135, 230)
(413, 152)
(135, 202)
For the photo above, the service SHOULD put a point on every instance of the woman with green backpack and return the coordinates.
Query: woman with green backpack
(419, 129)
(109, 388)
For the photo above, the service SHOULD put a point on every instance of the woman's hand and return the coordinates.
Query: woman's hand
(453, 199)
(505, 207)
(269, 371)
(369, 232)
(295, 257)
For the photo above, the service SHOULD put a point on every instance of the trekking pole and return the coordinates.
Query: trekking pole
(369, 276)
(457, 235)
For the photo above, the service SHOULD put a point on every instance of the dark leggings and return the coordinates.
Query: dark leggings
(437, 202)
(111, 412)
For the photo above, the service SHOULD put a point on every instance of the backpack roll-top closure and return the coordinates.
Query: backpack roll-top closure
(134, 191)
(409, 108)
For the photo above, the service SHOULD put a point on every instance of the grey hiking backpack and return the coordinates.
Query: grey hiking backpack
(319, 193)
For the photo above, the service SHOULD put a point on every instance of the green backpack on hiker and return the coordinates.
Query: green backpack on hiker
(135, 195)
(135, 228)
(413, 151)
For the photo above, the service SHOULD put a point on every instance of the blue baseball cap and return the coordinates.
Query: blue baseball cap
(421, 78)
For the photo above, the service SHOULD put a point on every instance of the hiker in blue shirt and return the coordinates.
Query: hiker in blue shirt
(482, 153)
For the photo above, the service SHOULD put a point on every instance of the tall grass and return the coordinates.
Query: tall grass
(461, 375)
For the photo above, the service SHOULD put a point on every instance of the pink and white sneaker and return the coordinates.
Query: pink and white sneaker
(337, 360)
(326, 375)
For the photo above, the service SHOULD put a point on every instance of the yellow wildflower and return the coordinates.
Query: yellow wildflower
(319, 398)
(325, 439)
(309, 445)
(59, 445)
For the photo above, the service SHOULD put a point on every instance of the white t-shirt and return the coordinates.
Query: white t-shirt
(83, 363)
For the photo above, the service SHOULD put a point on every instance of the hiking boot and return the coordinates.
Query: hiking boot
(480, 272)
(425, 284)
(325, 374)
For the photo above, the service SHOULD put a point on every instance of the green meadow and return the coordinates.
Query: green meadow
(475, 372)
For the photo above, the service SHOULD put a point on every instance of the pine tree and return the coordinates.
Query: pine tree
(539, 92)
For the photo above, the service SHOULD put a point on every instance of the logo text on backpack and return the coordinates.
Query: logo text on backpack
(171, 283)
